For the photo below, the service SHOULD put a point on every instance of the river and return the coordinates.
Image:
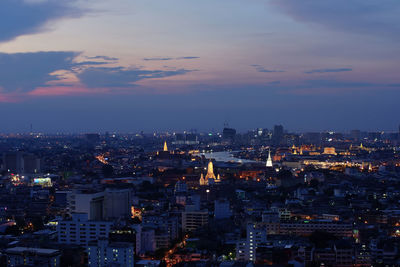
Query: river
(226, 156)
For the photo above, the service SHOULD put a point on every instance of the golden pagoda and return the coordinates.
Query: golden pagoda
(210, 171)
(202, 181)
(165, 147)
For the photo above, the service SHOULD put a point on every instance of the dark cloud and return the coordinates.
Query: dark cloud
(167, 58)
(328, 70)
(24, 72)
(104, 58)
(122, 77)
(260, 68)
(158, 58)
(20, 17)
(178, 58)
(373, 17)
(91, 63)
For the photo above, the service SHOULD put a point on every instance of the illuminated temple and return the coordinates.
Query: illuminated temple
(269, 160)
(210, 176)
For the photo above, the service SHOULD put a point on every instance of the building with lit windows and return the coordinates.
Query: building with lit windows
(246, 249)
(191, 220)
(307, 227)
(80, 231)
(109, 204)
(21, 163)
(104, 253)
(21, 256)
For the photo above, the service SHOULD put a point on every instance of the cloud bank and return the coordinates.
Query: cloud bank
(24, 72)
(22, 17)
(168, 58)
(260, 68)
(371, 17)
(328, 70)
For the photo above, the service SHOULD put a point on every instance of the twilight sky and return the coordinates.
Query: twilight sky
(131, 65)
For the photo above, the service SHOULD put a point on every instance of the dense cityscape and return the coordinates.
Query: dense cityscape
(212, 133)
(264, 197)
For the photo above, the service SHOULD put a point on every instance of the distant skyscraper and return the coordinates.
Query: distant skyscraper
(21, 162)
(260, 131)
(228, 134)
(277, 135)
(355, 135)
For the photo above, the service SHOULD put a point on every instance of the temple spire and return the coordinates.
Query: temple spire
(165, 147)
(210, 171)
(202, 180)
(269, 160)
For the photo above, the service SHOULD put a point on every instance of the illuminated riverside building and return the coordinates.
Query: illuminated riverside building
(329, 151)
(329, 164)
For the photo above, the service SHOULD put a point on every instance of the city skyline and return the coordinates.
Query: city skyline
(31, 130)
(93, 66)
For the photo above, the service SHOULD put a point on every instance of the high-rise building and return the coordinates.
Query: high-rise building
(22, 256)
(117, 203)
(105, 253)
(277, 135)
(186, 139)
(80, 231)
(191, 220)
(313, 138)
(109, 204)
(255, 235)
(21, 162)
(222, 209)
(229, 134)
(356, 135)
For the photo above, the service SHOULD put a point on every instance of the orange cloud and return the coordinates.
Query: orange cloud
(65, 90)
